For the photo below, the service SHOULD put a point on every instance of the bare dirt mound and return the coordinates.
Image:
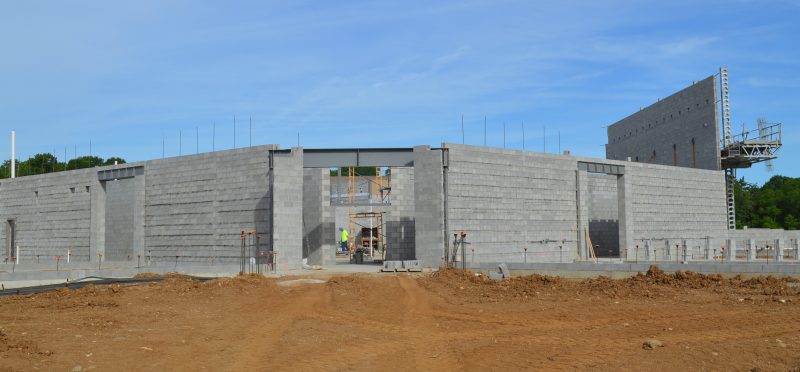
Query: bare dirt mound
(654, 283)
(448, 320)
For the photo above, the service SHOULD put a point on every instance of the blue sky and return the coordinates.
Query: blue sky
(376, 74)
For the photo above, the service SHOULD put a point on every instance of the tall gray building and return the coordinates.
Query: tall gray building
(680, 130)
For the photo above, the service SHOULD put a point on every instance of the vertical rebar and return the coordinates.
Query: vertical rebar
(463, 251)
(462, 129)
(484, 130)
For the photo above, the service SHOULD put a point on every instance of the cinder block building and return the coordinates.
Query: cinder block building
(660, 195)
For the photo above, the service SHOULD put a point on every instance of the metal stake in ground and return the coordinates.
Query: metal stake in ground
(243, 236)
(463, 250)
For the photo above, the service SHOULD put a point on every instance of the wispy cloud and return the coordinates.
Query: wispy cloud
(404, 70)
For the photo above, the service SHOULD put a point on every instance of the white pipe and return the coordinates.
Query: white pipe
(16, 259)
(13, 160)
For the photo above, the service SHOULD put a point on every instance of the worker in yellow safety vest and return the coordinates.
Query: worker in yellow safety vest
(343, 241)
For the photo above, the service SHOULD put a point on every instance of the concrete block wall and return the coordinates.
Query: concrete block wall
(287, 208)
(400, 222)
(603, 212)
(318, 220)
(120, 203)
(53, 213)
(686, 117)
(675, 204)
(507, 199)
(197, 206)
(429, 234)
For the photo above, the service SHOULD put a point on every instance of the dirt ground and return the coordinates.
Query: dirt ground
(448, 320)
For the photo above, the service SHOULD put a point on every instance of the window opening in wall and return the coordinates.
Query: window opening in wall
(11, 238)
(36, 194)
(72, 190)
(694, 155)
(674, 154)
(88, 188)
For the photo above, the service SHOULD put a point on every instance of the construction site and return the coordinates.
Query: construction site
(445, 257)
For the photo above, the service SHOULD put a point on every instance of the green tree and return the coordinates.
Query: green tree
(358, 171)
(47, 163)
(85, 162)
(114, 160)
(776, 204)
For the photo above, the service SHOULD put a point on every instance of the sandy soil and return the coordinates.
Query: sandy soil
(448, 320)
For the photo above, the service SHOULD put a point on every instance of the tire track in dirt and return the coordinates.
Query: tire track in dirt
(263, 338)
(418, 320)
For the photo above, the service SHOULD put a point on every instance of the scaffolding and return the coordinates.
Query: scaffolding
(745, 149)
(372, 233)
(374, 224)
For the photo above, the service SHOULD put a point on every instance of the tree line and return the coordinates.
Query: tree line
(48, 163)
(774, 205)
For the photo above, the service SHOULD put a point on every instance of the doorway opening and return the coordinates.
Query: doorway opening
(604, 214)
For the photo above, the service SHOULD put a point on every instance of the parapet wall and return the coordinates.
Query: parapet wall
(680, 130)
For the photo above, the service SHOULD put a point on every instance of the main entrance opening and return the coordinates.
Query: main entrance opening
(363, 195)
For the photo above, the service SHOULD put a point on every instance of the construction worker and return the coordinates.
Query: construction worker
(343, 241)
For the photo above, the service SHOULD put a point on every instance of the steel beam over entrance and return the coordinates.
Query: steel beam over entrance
(369, 157)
